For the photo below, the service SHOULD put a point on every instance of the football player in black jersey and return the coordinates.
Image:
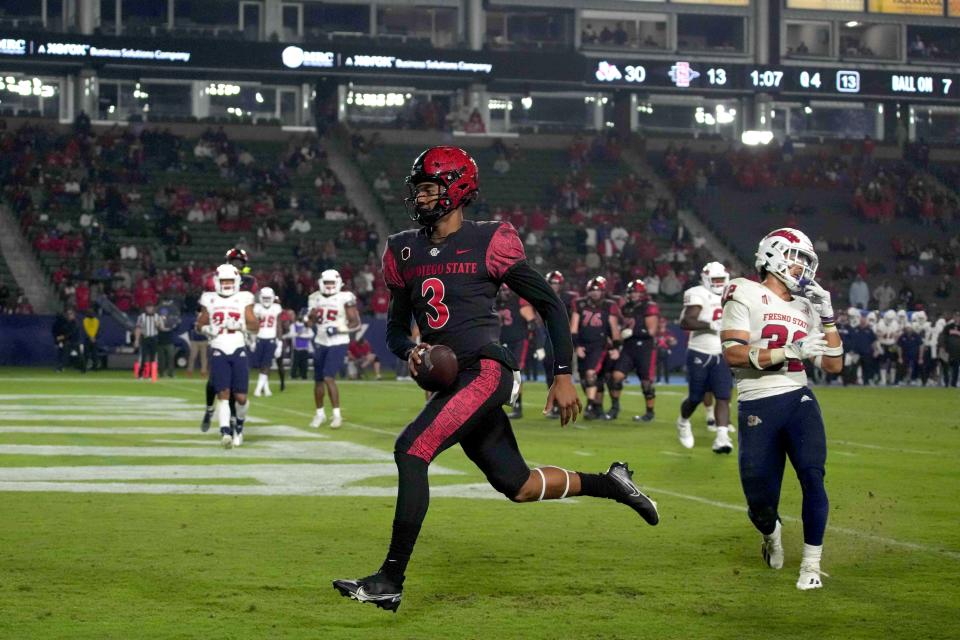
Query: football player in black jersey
(595, 325)
(556, 281)
(446, 276)
(642, 321)
(518, 322)
(239, 259)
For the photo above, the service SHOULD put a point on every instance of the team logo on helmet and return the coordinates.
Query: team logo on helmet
(457, 178)
(784, 249)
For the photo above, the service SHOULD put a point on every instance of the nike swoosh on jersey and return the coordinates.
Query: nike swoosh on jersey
(462, 251)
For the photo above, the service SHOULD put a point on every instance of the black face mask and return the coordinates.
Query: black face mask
(422, 215)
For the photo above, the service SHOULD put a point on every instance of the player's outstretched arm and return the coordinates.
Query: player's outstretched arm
(399, 316)
(529, 284)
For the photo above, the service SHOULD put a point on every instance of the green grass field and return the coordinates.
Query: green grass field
(119, 519)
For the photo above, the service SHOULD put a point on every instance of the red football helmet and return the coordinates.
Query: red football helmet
(450, 168)
(637, 286)
(597, 283)
(555, 277)
(237, 254)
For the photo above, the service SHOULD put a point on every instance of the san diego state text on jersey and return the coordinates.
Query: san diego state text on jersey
(452, 286)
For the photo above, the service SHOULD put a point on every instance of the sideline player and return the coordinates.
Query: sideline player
(768, 330)
(642, 320)
(333, 312)
(446, 276)
(594, 325)
(240, 261)
(888, 331)
(706, 368)
(517, 322)
(268, 312)
(556, 281)
(224, 320)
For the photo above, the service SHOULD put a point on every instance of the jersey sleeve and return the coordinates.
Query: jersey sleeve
(349, 299)
(391, 273)
(246, 298)
(652, 309)
(504, 251)
(693, 298)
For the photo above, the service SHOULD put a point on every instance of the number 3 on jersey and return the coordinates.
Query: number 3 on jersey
(441, 313)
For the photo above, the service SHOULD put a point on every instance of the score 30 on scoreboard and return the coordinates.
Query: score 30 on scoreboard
(684, 76)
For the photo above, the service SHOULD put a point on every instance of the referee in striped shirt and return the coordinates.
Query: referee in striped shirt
(149, 324)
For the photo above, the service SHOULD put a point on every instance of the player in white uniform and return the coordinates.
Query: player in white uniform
(768, 329)
(707, 371)
(888, 332)
(268, 347)
(333, 313)
(224, 319)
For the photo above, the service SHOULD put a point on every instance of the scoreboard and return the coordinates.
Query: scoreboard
(793, 81)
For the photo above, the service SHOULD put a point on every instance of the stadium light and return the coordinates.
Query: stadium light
(755, 138)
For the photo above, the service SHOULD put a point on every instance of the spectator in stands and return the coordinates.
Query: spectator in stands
(383, 188)
(300, 225)
(884, 295)
(670, 286)
(859, 293)
(6, 297)
(501, 166)
(475, 124)
(944, 288)
(360, 356)
(588, 35)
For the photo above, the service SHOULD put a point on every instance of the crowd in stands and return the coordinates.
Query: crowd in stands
(85, 197)
(13, 300)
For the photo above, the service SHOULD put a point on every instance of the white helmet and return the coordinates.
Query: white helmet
(711, 273)
(782, 249)
(920, 317)
(330, 282)
(872, 317)
(890, 315)
(853, 312)
(227, 280)
(267, 296)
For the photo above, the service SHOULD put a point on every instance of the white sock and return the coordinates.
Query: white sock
(261, 382)
(711, 416)
(242, 411)
(684, 421)
(721, 431)
(320, 411)
(336, 412)
(811, 554)
(223, 414)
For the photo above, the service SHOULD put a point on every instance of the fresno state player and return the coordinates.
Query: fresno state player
(239, 260)
(706, 369)
(768, 330)
(269, 345)
(224, 319)
(595, 322)
(446, 276)
(517, 322)
(642, 322)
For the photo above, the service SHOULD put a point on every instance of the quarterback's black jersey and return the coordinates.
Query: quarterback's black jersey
(594, 325)
(636, 314)
(452, 286)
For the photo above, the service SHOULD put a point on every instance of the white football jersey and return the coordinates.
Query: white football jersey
(704, 340)
(887, 333)
(331, 312)
(269, 318)
(221, 309)
(772, 323)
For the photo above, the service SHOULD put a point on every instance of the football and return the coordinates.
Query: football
(438, 368)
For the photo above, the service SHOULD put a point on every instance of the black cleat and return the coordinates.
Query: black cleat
(647, 417)
(629, 494)
(377, 589)
(612, 414)
(554, 413)
(516, 414)
(207, 416)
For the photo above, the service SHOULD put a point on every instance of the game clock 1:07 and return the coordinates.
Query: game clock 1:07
(766, 78)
